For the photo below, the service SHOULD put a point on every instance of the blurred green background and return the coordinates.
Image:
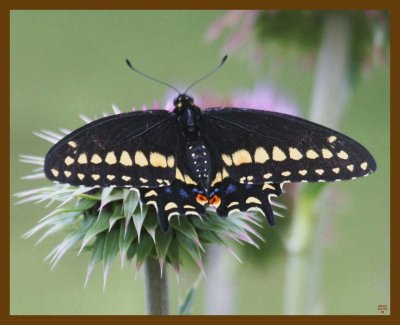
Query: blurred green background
(64, 63)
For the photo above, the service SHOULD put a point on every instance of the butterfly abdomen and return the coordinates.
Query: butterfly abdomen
(199, 161)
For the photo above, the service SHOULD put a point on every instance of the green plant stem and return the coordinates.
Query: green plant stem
(156, 288)
(331, 87)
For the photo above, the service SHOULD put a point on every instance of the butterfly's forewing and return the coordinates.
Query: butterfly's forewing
(131, 149)
(259, 146)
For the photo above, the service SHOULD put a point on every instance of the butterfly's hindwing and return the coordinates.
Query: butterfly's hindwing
(131, 149)
(260, 147)
(185, 196)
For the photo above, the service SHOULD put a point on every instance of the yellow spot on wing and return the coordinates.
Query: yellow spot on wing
(125, 159)
(319, 171)
(72, 144)
(217, 179)
(295, 154)
(302, 172)
(110, 177)
(336, 170)
(81, 176)
(327, 153)
(364, 165)
(140, 159)
(82, 159)
(126, 178)
(342, 154)
(268, 186)
(188, 206)
(143, 180)
(67, 173)
(267, 176)
(286, 173)
(227, 159)
(96, 159)
(178, 175)
(95, 176)
(188, 180)
(110, 158)
(224, 173)
(241, 156)
(260, 155)
(232, 204)
(252, 199)
(311, 154)
(151, 193)
(350, 167)
(54, 172)
(158, 160)
(332, 139)
(170, 161)
(278, 154)
(170, 205)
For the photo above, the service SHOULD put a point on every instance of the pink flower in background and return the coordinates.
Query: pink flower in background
(240, 23)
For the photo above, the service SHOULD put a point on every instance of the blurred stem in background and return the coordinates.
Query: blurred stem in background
(305, 241)
(156, 288)
(220, 288)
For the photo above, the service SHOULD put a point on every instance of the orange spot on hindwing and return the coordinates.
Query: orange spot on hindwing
(215, 201)
(201, 199)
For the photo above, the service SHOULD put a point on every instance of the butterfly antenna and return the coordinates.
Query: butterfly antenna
(208, 74)
(149, 77)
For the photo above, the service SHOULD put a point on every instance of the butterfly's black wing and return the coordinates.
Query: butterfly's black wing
(259, 146)
(134, 149)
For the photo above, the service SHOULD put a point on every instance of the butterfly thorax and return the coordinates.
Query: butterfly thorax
(188, 116)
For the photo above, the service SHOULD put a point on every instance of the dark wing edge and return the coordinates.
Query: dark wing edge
(133, 149)
(276, 147)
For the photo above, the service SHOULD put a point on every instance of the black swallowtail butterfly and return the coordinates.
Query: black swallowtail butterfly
(234, 159)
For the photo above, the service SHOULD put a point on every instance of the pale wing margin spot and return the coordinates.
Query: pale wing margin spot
(96, 159)
(260, 155)
(158, 160)
(241, 156)
(252, 199)
(140, 159)
(227, 159)
(233, 204)
(72, 144)
(278, 154)
(311, 154)
(364, 165)
(110, 158)
(295, 154)
(342, 154)
(169, 206)
(95, 176)
(151, 193)
(125, 159)
(82, 158)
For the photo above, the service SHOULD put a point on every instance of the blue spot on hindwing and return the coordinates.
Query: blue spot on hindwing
(183, 193)
(230, 189)
(168, 190)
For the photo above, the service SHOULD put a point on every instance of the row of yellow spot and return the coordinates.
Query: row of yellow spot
(260, 156)
(155, 159)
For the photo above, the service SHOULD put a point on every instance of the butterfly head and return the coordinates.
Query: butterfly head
(182, 101)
